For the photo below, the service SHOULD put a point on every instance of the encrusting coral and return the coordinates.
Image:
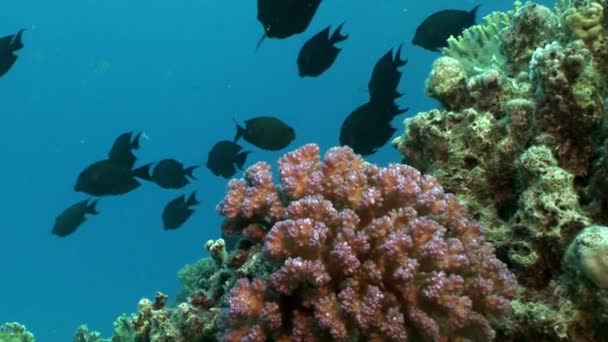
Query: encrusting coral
(523, 143)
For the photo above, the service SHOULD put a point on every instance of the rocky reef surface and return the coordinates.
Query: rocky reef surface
(521, 138)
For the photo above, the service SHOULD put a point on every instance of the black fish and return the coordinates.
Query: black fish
(178, 211)
(434, 31)
(319, 52)
(115, 175)
(72, 217)
(223, 157)
(171, 174)
(367, 128)
(266, 132)
(385, 77)
(8, 45)
(284, 18)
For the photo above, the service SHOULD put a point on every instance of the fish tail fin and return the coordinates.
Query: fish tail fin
(260, 41)
(188, 171)
(143, 172)
(192, 199)
(337, 36)
(240, 130)
(240, 159)
(91, 208)
(473, 12)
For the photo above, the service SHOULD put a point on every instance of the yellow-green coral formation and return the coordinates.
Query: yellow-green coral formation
(448, 82)
(570, 102)
(15, 332)
(531, 26)
(587, 21)
(478, 46)
(548, 216)
(83, 334)
(525, 143)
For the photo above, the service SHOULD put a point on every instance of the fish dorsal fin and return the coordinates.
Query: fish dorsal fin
(192, 199)
(17, 43)
(473, 12)
(121, 151)
(337, 36)
(92, 207)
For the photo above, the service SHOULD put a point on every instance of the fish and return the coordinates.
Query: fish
(319, 53)
(266, 132)
(178, 211)
(171, 174)
(283, 18)
(8, 45)
(385, 77)
(115, 175)
(433, 33)
(223, 157)
(73, 216)
(368, 127)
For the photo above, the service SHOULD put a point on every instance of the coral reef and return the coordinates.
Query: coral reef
(341, 250)
(15, 332)
(521, 139)
(359, 252)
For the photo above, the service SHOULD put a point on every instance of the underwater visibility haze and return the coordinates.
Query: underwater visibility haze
(135, 135)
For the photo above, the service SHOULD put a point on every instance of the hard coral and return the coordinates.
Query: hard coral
(15, 332)
(525, 145)
(360, 252)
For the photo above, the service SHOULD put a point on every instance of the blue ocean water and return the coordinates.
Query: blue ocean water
(180, 71)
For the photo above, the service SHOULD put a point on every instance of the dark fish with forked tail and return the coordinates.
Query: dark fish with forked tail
(178, 211)
(224, 156)
(368, 128)
(115, 175)
(72, 217)
(385, 77)
(171, 174)
(319, 52)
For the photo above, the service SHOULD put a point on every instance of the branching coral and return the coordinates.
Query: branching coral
(360, 252)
